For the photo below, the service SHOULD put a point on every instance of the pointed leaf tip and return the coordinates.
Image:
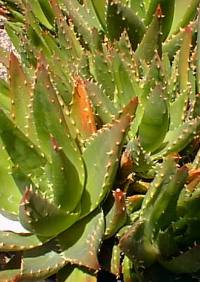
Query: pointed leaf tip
(81, 109)
(159, 12)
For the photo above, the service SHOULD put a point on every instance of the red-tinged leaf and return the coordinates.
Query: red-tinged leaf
(81, 110)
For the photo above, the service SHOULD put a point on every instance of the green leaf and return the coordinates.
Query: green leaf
(114, 16)
(125, 18)
(80, 249)
(102, 73)
(40, 263)
(184, 59)
(139, 160)
(185, 11)
(21, 99)
(101, 167)
(167, 11)
(178, 107)
(133, 24)
(83, 246)
(162, 210)
(116, 261)
(151, 40)
(66, 35)
(100, 9)
(41, 216)
(123, 81)
(83, 22)
(166, 171)
(35, 35)
(67, 189)
(177, 139)
(14, 31)
(157, 212)
(104, 107)
(128, 270)
(116, 216)
(11, 241)
(9, 193)
(138, 7)
(5, 102)
(47, 10)
(19, 147)
(39, 13)
(155, 121)
(50, 120)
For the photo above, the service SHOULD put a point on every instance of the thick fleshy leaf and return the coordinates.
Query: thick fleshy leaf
(104, 107)
(100, 68)
(122, 76)
(21, 99)
(127, 270)
(38, 12)
(14, 30)
(179, 106)
(40, 263)
(80, 249)
(151, 40)
(155, 121)
(12, 241)
(101, 167)
(184, 58)
(66, 34)
(9, 194)
(136, 159)
(47, 10)
(162, 208)
(177, 139)
(100, 9)
(5, 102)
(139, 7)
(167, 11)
(116, 216)
(81, 19)
(19, 147)
(42, 217)
(50, 121)
(66, 188)
(83, 246)
(184, 12)
(81, 110)
(115, 266)
(125, 18)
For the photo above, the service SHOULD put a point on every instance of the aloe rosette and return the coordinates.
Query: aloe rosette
(84, 70)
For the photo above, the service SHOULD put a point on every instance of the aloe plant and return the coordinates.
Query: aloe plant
(75, 167)
(165, 226)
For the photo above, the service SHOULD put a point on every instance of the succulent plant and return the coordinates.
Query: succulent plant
(75, 168)
(166, 228)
